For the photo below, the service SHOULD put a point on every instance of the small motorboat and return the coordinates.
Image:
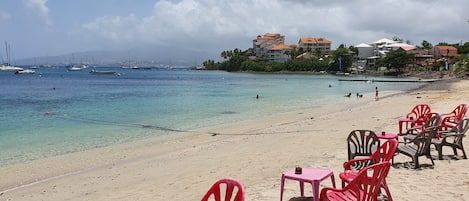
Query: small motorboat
(96, 72)
(25, 71)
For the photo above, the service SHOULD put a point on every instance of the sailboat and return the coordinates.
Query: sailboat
(7, 66)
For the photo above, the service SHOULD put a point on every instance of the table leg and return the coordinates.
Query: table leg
(302, 188)
(400, 127)
(281, 187)
(315, 185)
(333, 180)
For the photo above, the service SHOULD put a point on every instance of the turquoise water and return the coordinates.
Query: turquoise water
(55, 112)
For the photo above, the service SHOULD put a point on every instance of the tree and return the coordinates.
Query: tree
(397, 39)
(317, 52)
(426, 45)
(396, 59)
(442, 43)
(353, 49)
(341, 58)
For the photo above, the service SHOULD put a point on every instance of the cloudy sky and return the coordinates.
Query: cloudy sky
(53, 27)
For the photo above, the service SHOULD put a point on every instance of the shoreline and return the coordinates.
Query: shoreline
(183, 166)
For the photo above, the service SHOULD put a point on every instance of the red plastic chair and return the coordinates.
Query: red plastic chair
(364, 187)
(216, 190)
(385, 153)
(416, 117)
(452, 119)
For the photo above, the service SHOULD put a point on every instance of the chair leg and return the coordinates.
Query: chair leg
(416, 162)
(440, 151)
(431, 158)
(388, 193)
(463, 152)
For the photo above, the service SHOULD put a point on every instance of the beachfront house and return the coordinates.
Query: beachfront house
(264, 43)
(278, 53)
(320, 46)
(444, 51)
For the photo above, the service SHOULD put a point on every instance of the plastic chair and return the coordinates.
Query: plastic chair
(216, 190)
(419, 146)
(362, 143)
(363, 187)
(452, 138)
(384, 154)
(416, 117)
(452, 119)
(434, 120)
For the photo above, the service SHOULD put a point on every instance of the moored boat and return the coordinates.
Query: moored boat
(8, 67)
(25, 71)
(96, 72)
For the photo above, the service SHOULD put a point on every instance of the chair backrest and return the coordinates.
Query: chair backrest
(368, 181)
(216, 191)
(386, 151)
(460, 129)
(459, 112)
(424, 140)
(462, 126)
(433, 119)
(419, 113)
(362, 143)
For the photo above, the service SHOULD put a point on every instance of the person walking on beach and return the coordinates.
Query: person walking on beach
(376, 94)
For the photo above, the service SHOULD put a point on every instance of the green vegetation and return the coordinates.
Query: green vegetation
(238, 60)
(340, 59)
(396, 60)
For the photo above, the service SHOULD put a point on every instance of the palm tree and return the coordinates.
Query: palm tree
(224, 55)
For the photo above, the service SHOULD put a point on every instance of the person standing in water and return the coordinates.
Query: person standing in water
(376, 94)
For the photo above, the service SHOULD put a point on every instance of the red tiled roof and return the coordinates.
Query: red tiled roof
(446, 47)
(310, 40)
(281, 47)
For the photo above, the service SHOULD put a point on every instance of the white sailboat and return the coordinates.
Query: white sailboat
(7, 66)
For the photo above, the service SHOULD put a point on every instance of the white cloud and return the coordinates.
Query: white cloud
(222, 25)
(39, 9)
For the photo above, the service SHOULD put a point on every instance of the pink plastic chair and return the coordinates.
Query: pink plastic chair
(452, 119)
(363, 187)
(216, 190)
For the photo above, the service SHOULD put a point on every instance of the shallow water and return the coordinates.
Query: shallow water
(54, 111)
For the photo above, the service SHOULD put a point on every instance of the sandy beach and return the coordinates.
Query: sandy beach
(256, 152)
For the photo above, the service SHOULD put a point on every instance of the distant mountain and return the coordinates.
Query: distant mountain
(151, 57)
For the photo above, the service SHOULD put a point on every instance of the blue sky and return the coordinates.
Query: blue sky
(35, 28)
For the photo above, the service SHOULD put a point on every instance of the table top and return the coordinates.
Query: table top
(406, 119)
(386, 135)
(309, 174)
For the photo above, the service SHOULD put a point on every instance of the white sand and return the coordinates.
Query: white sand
(183, 167)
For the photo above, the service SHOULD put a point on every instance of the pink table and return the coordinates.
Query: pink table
(406, 121)
(386, 136)
(314, 176)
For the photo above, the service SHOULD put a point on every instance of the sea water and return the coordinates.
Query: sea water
(55, 111)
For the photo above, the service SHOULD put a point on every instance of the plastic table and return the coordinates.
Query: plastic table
(406, 121)
(314, 176)
(387, 136)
